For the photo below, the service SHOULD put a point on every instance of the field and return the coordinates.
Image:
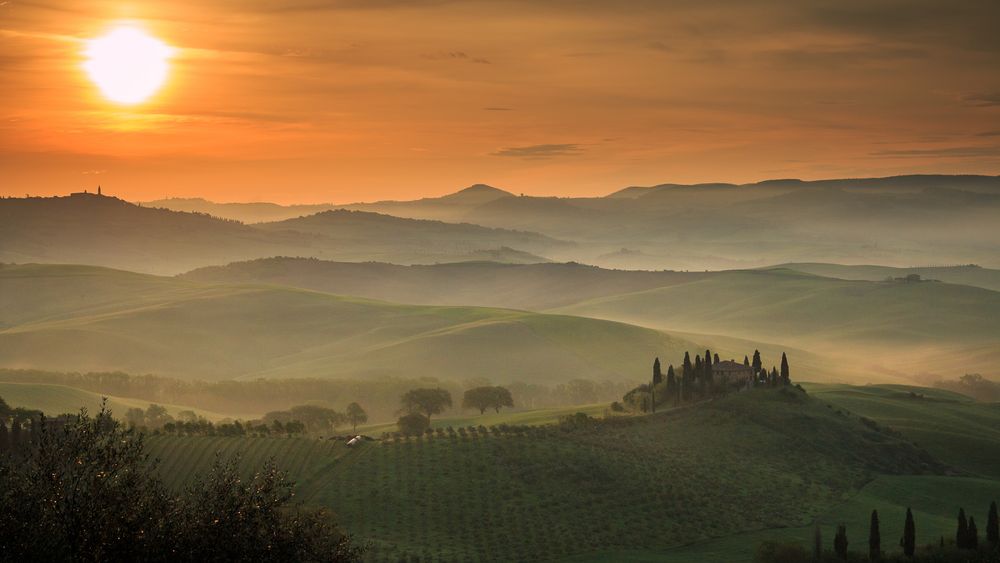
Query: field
(59, 399)
(535, 417)
(650, 483)
(77, 318)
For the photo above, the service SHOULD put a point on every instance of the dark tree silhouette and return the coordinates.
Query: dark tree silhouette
(972, 535)
(840, 542)
(817, 543)
(909, 534)
(993, 527)
(715, 358)
(657, 374)
(671, 381)
(708, 367)
(487, 397)
(413, 424)
(756, 364)
(962, 533)
(687, 374)
(874, 538)
(356, 415)
(786, 378)
(428, 401)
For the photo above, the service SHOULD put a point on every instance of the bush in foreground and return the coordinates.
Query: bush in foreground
(88, 492)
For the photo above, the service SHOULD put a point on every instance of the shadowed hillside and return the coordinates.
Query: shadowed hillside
(106, 231)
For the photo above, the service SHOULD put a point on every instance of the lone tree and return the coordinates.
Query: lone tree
(840, 542)
(356, 415)
(657, 374)
(413, 424)
(962, 533)
(426, 401)
(487, 397)
(786, 378)
(993, 527)
(909, 534)
(874, 538)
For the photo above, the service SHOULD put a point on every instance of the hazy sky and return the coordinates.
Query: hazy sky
(315, 100)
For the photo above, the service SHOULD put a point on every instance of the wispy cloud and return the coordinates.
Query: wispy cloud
(541, 151)
(943, 152)
(983, 99)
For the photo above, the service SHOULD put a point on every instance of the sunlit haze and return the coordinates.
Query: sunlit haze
(127, 64)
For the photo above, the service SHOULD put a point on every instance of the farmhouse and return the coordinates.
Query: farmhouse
(732, 371)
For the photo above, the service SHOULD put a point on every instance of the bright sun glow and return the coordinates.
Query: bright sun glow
(127, 64)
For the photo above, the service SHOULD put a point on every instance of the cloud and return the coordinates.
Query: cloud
(989, 134)
(456, 56)
(983, 99)
(943, 152)
(540, 151)
(839, 57)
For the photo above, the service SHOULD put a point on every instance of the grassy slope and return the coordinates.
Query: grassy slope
(747, 462)
(865, 328)
(92, 319)
(535, 417)
(965, 275)
(59, 399)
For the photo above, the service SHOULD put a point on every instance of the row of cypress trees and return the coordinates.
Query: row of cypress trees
(966, 535)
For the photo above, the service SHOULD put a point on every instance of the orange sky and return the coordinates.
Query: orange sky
(310, 100)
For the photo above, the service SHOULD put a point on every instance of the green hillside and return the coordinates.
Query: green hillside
(870, 330)
(749, 462)
(71, 319)
(59, 399)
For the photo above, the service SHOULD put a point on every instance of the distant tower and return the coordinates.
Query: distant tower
(98, 190)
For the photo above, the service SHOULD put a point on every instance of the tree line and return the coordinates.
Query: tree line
(418, 405)
(965, 547)
(379, 395)
(697, 380)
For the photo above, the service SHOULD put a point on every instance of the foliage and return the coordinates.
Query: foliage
(487, 397)
(413, 424)
(87, 491)
(425, 400)
(356, 415)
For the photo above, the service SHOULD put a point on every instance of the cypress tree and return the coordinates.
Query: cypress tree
(708, 367)
(909, 534)
(4, 438)
(840, 542)
(963, 529)
(817, 543)
(972, 537)
(657, 374)
(716, 358)
(687, 374)
(746, 361)
(757, 365)
(993, 526)
(671, 381)
(874, 538)
(786, 378)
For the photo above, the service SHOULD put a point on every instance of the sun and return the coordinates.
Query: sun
(127, 64)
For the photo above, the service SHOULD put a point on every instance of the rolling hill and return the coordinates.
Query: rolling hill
(60, 399)
(765, 460)
(106, 231)
(76, 318)
(531, 286)
(969, 274)
(870, 328)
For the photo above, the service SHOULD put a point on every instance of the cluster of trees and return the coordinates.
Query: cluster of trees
(86, 491)
(379, 395)
(299, 419)
(973, 385)
(697, 380)
(966, 548)
(418, 405)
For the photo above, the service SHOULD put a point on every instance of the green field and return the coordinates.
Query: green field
(77, 318)
(59, 399)
(533, 417)
(750, 462)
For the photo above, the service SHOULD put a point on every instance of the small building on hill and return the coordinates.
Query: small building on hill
(732, 371)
